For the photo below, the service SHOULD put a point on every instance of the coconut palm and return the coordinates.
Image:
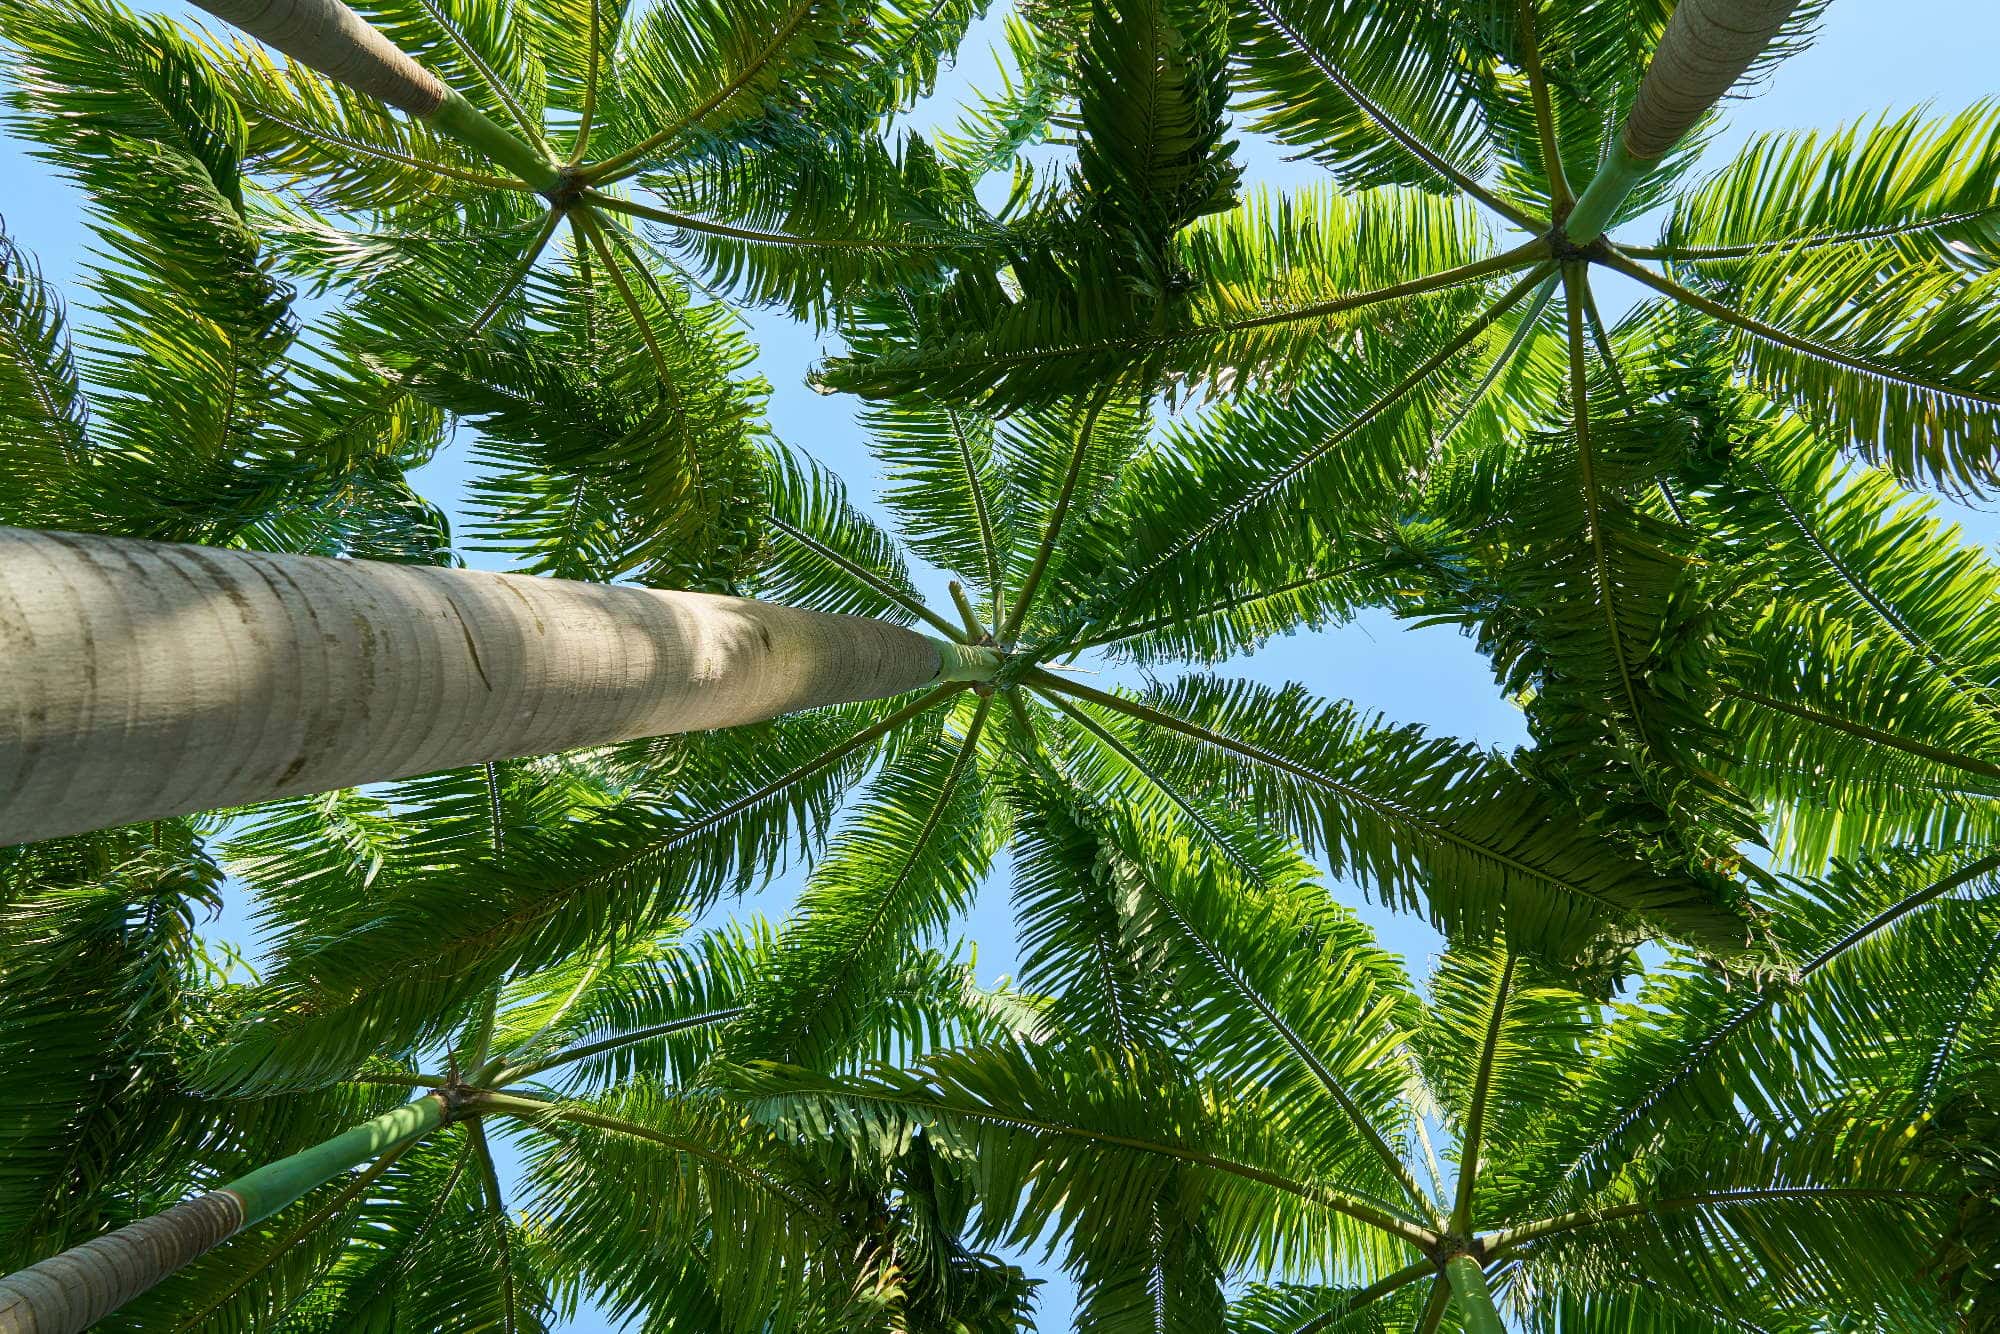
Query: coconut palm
(1245, 1115)
(632, 1187)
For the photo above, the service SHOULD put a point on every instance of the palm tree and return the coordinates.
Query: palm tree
(636, 1185)
(777, 193)
(354, 673)
(1602, 491)
(1715, 628)
(398, 914)
(1243, 1114)
(221, 425)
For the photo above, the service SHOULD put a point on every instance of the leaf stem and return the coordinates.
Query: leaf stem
(694, 224)
(1770, 333)
(1024, 599)
(535, 1110)
(514, 1074)
(1474, 1299)
(1575, 285)
(1583, 1219)
(592, 73)
(1520, 257)
(593, 230)
(1827, 240)
(1471, 1143)
(1545, 123)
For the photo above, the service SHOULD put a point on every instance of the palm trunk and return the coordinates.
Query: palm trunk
(140, 680)
(73, 1290)
(1704, 51)
(328, 36)
(1476, 1312)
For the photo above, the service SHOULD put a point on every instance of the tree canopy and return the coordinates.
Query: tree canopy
(1708, 1044)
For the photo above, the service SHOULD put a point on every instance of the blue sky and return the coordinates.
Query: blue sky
(1871, 55)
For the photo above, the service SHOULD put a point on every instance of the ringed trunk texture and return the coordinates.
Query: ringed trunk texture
(71, 1291)
(143, 680)
(1704, 51)
(327, 36)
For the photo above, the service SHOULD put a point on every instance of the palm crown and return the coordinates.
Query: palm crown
(1718, 630)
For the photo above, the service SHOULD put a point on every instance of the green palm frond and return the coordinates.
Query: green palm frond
(1821, 1212)
(821, 551)
(1692, 1051)
(1497, 1034)
(1904, 377)
(1291, 1308)
(949, 487)
(201, 327)
(1093, 933)
(1423, 824)
(1603, 614)
(1375, 95)
(98, 947)
(1911, 190)
(615, 442)
(686, 72)
(424, 939)
(1268, 288)
(791, 218)
(425, 1252)
(1036, 1125)
(908, 861)
(1857, 733)
(716, 1219)
(42, 407)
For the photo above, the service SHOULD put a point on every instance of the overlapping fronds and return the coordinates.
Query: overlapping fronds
(102, 965)
(1422, 823)
(821, 551)
(908, 861)
(715, 1223)
(430, 930)
(1376, 94)
(42, 408)
(617, 441)
(1080, 1141)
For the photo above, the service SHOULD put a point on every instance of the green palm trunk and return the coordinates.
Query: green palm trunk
(1705, 50)
(82, 1285)
(1472, 1297)
(328, 36)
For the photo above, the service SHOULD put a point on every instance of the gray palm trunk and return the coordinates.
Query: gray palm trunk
(327, 36)
(1706, 48)
(72, 1291)
(142, 680)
